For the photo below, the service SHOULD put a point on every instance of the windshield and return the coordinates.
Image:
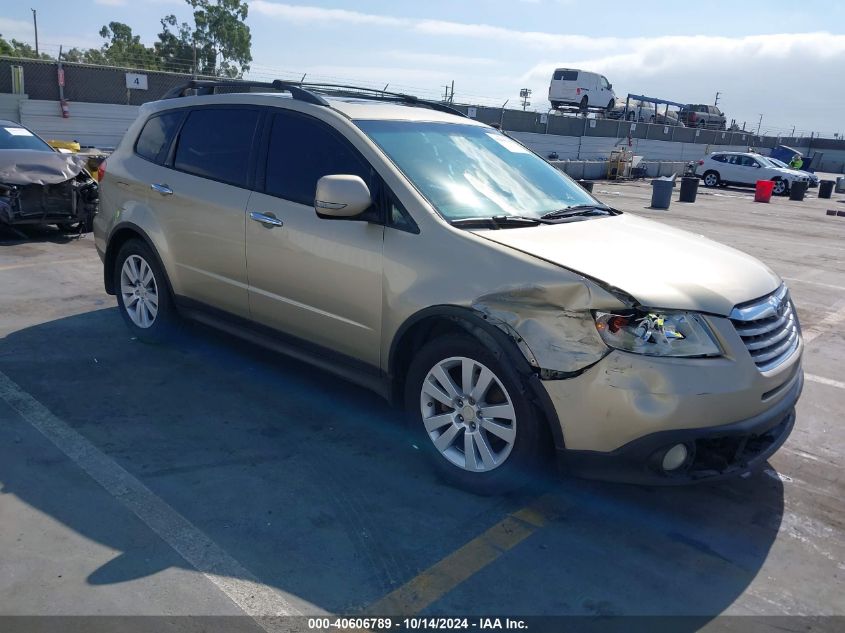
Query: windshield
(777, 163)
(16, 137)
(469, 171)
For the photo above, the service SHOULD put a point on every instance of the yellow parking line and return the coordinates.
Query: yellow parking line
(448, 573)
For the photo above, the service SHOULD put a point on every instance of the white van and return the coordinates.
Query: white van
(581, 88)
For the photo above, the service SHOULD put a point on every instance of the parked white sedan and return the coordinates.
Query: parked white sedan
(746, 168)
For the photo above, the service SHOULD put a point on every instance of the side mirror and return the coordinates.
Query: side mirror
(610, 86)
(341, 196)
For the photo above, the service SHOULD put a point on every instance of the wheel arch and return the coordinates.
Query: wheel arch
(121, 234)
(435, 321)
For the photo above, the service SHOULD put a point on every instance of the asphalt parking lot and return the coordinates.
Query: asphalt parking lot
(210, 477)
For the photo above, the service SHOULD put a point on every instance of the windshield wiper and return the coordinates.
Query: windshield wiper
(580, 210)
(500, 221)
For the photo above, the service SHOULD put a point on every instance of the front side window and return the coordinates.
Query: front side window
(302, 150)
(155, 138)
(217, 143)
(470, 171)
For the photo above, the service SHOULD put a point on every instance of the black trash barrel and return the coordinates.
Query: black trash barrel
(797, 190)
(587, 184)
(689, 189)
(826, 188)
(661, 193)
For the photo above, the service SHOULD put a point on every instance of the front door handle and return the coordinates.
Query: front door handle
(268, 220)
(162, 189)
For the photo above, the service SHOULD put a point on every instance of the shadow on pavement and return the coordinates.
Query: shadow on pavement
(314, 485)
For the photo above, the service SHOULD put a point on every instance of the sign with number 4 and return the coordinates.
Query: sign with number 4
(134, 81)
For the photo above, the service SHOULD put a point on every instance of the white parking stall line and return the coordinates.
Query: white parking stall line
(814, 283)
(201, 552)
(825, 381)
(817, 329)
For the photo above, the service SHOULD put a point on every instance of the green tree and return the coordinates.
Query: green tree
(15, 48)
(124, 48)
(175, 50)
(219, 36)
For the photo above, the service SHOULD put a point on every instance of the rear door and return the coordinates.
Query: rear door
(564, 86)
(201, 204)
(319, 280)
(730, 169)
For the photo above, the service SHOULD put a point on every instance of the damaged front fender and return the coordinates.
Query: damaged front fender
(552, 325)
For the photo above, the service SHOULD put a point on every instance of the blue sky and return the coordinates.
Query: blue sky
(776, 58)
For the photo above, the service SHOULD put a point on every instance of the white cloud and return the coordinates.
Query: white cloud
(111, 3)
(310, 14)
(435, 59)
(15, 29)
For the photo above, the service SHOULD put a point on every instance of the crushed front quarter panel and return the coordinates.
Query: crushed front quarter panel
(554, 322)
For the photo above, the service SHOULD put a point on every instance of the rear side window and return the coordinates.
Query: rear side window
(566, 75)
(719, 158)
(302, 150)
(155, 138)
(217, 143)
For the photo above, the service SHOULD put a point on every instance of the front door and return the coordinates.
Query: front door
(319, 280)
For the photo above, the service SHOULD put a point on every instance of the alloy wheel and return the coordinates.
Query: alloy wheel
(139, 291)
(468, 414)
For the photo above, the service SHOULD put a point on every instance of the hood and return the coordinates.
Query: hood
(28, 167)
(792, 173)
(661, 267)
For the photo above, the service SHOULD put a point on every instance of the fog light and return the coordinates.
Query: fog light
(675, 457)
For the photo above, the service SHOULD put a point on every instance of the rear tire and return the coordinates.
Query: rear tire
(711, 178)
(583, 104)
(141, 284)
(450, 419)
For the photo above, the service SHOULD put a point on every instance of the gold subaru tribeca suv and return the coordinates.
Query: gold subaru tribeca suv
(435, 260)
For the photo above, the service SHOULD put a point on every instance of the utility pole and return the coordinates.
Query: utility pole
(716, 102)
(524, 94)
(452, 93)
(446, 94)
(35, 24)
(759, 123)
(793, 132)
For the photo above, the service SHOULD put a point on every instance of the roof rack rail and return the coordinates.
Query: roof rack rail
(377, 94)
(210, 86)
(307, 92)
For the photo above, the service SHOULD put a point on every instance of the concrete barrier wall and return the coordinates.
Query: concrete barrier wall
(98, 124)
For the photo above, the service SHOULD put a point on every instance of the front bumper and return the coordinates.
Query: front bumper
(715, 452)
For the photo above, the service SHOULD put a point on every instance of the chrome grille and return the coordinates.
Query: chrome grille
(769, 328)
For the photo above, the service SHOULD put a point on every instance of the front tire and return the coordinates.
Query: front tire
(143, 293)
(711, 179)
(781, 187)
(473, 416)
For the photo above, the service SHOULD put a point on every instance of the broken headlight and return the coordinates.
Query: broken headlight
(657, 333)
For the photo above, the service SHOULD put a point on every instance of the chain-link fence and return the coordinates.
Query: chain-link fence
(86, 83)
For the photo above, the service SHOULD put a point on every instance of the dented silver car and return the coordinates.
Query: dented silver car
(437, 261)
(39, 185)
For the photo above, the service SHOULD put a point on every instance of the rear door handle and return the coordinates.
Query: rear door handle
(269, 220)
(162, 189)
